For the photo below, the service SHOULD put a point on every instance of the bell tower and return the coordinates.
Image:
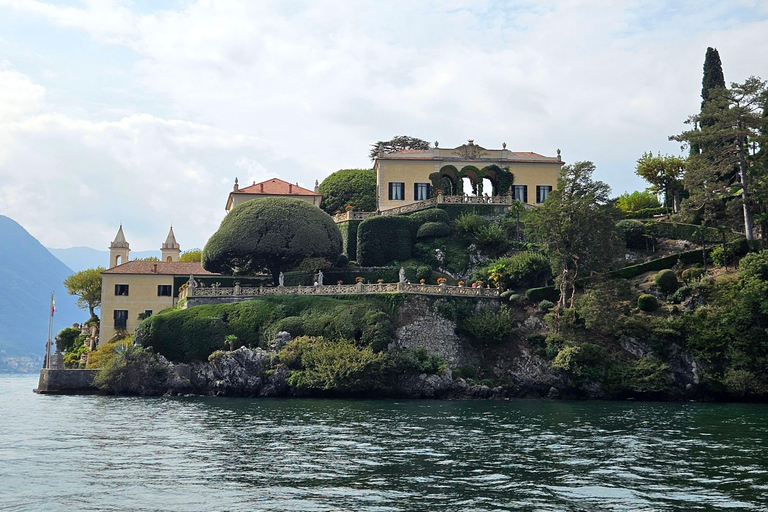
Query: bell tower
(170, 250)
(118, 249)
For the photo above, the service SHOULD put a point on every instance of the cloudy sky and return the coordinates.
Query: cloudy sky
(144, 111)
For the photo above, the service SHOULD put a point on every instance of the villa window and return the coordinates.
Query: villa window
(164, 290)
(121, 318)
(396, 191)
(520, 193)
(420, 191)
(542, 192)
(121, 289)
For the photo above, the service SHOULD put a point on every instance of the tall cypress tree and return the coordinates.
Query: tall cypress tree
(713, 75)
(713, 79)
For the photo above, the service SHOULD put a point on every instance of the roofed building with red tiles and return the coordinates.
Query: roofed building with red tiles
(274, 187)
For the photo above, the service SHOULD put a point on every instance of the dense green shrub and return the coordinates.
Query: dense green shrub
(646, 375)
(647, 302)
(383, 239)
(467, 371)
(325, 365)
(525, 268)
(469, 223)
(415, 361)
(692, 274)
(194, 333)
(429, 215)
(132, 370)
(433, 230)
(635, 201)
(585, 362)
(722, 256)
(488, 326)
(349, 187)
(680, 295)
(536, 295)
(546, 305)
(633, 232)
(492, 238)
(68, 335)
(666, 281)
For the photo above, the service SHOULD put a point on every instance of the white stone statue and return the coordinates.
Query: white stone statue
(402, 275)
(281, 280)
(320, 277)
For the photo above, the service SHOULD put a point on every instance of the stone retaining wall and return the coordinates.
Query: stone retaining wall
(66, 381)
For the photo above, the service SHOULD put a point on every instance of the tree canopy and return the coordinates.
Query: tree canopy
(576, 225)
(397, 143)
(191, 255)
(665, 174)
(731, 120)
(273, 234)
(86, 284)
(349, 187)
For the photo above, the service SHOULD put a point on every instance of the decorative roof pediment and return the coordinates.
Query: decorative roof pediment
(471, 151)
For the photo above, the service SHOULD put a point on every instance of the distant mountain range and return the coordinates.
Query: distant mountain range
(28, 275)
(81, 258)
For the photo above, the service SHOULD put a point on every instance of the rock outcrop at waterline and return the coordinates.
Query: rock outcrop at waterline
(249, 372)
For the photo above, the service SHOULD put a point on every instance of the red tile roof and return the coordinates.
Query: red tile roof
(174, 268)
(276, 187)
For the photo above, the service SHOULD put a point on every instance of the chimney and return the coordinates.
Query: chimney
(261, 188)
(154, 268)
(290, 188)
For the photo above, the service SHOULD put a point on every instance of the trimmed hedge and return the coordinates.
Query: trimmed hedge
(647, 303)
(678, 231)
(192, 334)
(645, 213)
(348, 231)
(687, 257)
(667, 282)
(384, 239)
(536, 295)
(433, 230)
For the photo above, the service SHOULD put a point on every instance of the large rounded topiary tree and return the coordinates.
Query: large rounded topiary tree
(271, 233)
(349, 187)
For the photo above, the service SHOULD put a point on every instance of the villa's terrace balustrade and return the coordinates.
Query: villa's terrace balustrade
(339, 289)
(505, 200)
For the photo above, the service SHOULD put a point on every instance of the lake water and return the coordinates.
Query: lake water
(215, 454)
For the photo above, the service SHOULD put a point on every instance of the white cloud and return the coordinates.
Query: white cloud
(299, 89)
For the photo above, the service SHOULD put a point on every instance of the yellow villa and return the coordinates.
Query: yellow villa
(133, 288)
(411, 176)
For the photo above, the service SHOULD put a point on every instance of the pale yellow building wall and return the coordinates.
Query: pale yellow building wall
(142, 295)
(415, 171)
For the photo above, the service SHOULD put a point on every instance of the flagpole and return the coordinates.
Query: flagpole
(50, 334)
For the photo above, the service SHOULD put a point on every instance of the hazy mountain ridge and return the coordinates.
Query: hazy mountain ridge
(81, 258)
(28, 275)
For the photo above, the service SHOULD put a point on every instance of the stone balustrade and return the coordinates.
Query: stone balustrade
(352, 215)
(339, 289)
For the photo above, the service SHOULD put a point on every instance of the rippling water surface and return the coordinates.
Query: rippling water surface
(183, 454)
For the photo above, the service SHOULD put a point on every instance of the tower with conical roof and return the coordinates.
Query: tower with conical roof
(118, 249)
(170, 249)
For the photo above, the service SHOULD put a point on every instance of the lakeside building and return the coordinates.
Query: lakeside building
(274, 187)
(411, 176)
(133, 288)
